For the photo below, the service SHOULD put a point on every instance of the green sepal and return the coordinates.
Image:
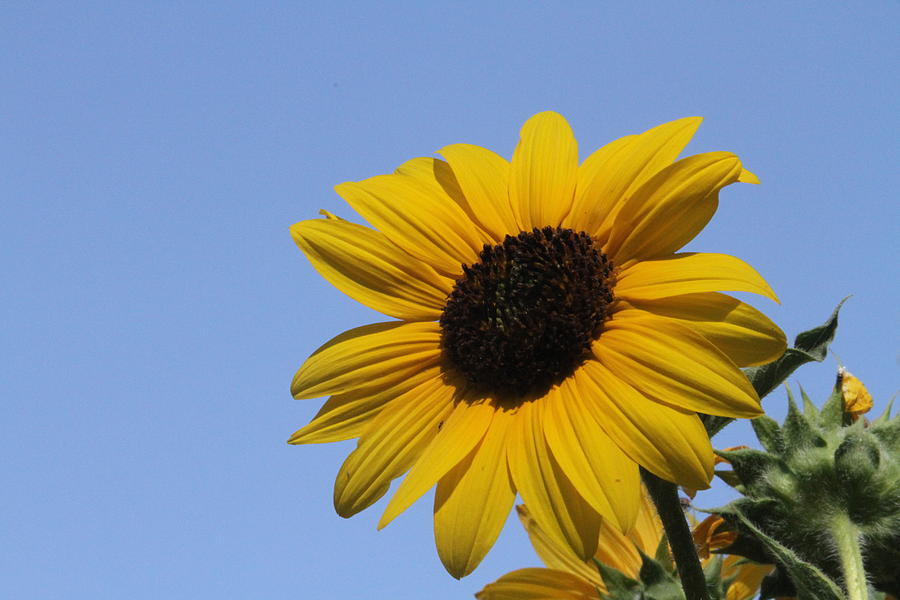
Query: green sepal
(886, 415)
(810, 581)
(663, 554)
(745, 546)
(750, 465)
(888, 431)
(810, 411)
(777, 585)
(876, 595)
(729, 477)
(659, 583)
(832, 413)
(857, 453)
(798, 432)
(769, 433)
(619, 586)
(715, 586)
(809, 346)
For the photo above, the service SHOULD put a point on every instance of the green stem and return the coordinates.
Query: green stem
(668, 505)
(846, 536)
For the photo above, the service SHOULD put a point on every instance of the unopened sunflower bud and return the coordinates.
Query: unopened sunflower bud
(857, 459)
(858, 448)
(819, 468)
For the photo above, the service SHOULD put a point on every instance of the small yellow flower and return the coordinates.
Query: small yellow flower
(857, 399)
(550, 340)
(707, 537)
(747, 574)
(567, 577)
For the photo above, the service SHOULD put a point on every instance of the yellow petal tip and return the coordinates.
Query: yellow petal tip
(748, 177)
(299, 437)
(295, 231)
(545, 116)
(385, 519)
(692, 123)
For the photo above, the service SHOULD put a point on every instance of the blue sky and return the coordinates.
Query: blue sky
(154, 307)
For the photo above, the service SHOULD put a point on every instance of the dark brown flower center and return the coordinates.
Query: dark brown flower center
(523, 316)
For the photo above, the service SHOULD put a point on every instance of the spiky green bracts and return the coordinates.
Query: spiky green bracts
(821, 501)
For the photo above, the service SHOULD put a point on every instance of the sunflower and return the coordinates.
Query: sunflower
(549, 337)
(568, 577)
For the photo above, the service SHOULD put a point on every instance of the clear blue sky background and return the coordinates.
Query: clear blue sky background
(154, 307)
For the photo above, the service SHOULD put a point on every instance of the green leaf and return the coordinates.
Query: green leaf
(810, 581)
(769, 433)
(809, 346)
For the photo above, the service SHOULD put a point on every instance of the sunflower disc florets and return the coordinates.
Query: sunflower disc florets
(522, 317)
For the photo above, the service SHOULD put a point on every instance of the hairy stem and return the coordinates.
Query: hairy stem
(668, 505)
(846, 536)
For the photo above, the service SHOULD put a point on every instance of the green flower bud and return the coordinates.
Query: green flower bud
(857, 459)
(821, 470)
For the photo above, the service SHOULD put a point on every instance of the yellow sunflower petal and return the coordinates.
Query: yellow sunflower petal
(688, 273)
(674, 365)
(748, 177)
(440, 180)
(671, 207)
(472, 502)
(615, 549)
(559, 556)
(366, 266)
(368, 357)
(629, 167)
(549, 494)
(586, 214)
(747, 575)
(602, 473)
(483, 177)
(648, 529)
(346, 416)
(743, 333)
(619, 551)
(538, 584)
(543, 171)
(391, 443)
(462, 430)
(668, 442)
(708, 538)
(857, 399)
(421, 222)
